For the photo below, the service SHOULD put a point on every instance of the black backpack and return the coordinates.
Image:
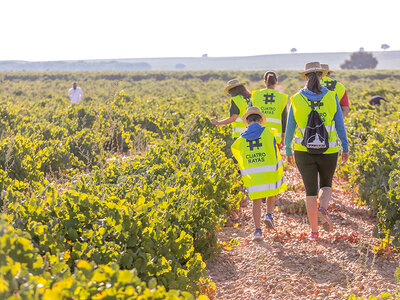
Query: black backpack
(316, 137)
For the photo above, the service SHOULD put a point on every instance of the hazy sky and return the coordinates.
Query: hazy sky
(93, 29)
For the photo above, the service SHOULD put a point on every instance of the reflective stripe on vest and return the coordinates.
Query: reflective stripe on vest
(261, 169)
(266, 187)
(260, 163)
(238, 129)
(272, 120)
(239, 119)
(329, 128)
(331, 144)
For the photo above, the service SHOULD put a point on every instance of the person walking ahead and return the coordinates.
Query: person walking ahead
(273, 105)
(260, 165)
(75, 93)
(334, 85)
(240, 100)
(325, 102)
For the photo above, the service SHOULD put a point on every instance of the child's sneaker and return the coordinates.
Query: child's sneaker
(323, 216)
(313, 236)
(257, 235)
(269, 221)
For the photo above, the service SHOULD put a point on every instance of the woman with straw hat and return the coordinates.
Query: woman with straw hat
(240, 100)
(260, 165)
(314, 166)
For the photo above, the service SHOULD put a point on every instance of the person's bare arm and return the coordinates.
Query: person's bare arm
(345, 110)
(226, 121)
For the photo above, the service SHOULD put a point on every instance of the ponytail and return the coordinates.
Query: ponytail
(313, 83)
(270, 79)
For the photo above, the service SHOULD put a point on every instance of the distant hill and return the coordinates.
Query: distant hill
(292, 61)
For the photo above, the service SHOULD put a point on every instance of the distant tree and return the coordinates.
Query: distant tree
(293, 50)
(385, 46)
(180, 66)
(360, 60)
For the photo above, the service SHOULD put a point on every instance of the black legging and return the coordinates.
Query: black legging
(312, 165)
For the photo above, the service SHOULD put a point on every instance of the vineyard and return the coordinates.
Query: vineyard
(123, 195)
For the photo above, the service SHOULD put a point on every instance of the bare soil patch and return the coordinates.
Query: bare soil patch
(286, 265)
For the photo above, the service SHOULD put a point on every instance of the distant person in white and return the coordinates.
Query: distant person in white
(75, 93)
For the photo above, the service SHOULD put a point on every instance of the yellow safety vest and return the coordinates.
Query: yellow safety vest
(334, 85)
(238, 126)
(327, 110)
(260, 165)
(271, 103)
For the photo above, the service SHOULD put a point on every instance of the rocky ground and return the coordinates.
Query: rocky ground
(286, 265)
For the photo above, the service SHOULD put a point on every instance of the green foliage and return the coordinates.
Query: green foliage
(24, 274)
(121, 195)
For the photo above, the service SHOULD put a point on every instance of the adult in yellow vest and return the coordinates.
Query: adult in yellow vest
(312, 166)
(334, 85)
(260, 165)
(273, 105)
(240, 100)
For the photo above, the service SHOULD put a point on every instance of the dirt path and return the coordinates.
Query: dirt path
(286, 265)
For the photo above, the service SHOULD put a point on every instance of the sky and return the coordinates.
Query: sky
(45, 30)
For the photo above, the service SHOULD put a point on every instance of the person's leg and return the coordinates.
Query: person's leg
(271, 204)
(325, 194)
(268, 220)
(326, 167)
(257, 213)
(309, 172)
(312, 212)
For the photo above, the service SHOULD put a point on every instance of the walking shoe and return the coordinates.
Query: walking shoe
(313, 236)
(269, 221)
(257, 235)
(323, 217)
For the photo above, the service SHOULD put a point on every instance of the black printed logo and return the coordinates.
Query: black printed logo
(317, 104)
(330, 85)
(254, 143)
(269, 98)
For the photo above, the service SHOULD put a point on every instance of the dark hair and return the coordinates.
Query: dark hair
(240, 90)
(313, 83)
(253, 118)
(270, 78)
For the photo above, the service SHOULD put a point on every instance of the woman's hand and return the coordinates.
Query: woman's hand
(214, 121)
(290, 159)
(345, 156)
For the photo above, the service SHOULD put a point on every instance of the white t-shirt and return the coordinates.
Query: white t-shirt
(75, 94)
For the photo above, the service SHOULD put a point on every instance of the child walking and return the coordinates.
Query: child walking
(260, 165)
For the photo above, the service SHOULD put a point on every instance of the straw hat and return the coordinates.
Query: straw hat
(325, 67)
(252, 110)
(232, 83)
(311, 67)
